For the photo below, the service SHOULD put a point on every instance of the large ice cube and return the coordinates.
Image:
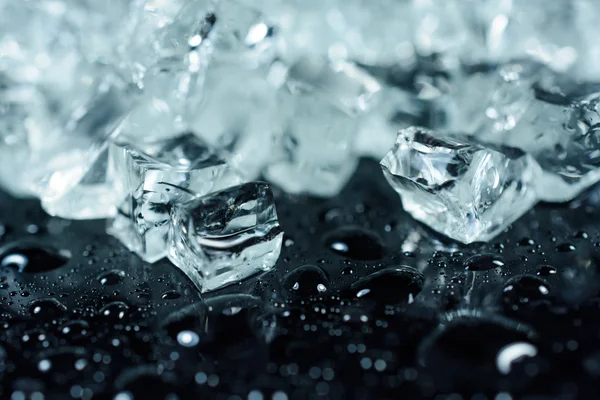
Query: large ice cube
(156, 176)
(226, 236)
(323, 103)
(459, 187)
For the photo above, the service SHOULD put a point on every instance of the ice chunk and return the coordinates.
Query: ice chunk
(69, 98)
(160, 112)
(156, 176)
(235, 107)
(465, 190)
(324, 101)
(560, 130)
(226, 236)
(244, 36)
(493, 31)
(358, 30)
(96, 195)
(378, 129)
(22, 119)
(177, 30)
(487, 99)
(237, 111)
(46, 155)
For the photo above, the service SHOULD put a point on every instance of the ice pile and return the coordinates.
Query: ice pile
(163, 115)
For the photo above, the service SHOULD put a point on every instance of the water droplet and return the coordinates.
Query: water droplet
(47, 308)
(470, 343)
(31, 258)
(525, 290)
(235, 321)
(390, 285)
(111, 277)
(75, 331)
(512, 353)
(170, 295)
(44, 365)
(188, 338)
(117, 310)
(483, 262)
(32, 229)
(64, 364)
(526, 242)
(356, 243)
(137, 382)
(348, 271)
(307, 280)
(565, 247)
(545, 270)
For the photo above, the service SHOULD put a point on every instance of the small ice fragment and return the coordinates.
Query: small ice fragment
(156, 176)
(465, 190)
(226, 236)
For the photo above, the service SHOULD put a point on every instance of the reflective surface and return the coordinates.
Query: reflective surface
(404, 314)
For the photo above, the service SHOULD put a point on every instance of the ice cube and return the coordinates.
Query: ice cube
(323, 102)
(244, 36)
(237, 111)
(493, 31)
(488, 100)
(159, 114)
(463, 189)
(234, 108)
(156, 176)
(96, 195)
(71, 100)
(357, 30)
(226, 236)
(560, 130)
(177, 30)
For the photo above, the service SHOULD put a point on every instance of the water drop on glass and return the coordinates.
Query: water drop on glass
(483, 262)
(307, 280)
(111, 277)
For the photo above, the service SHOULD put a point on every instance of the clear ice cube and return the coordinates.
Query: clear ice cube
(226, 236)
(156, 176)
(465, 190)
(560, 130)
(323, 103)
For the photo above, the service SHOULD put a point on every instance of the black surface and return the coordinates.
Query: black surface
(429, 322)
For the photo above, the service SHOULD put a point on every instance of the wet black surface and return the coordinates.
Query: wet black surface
(364, 303)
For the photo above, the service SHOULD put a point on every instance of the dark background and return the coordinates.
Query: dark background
(430, 321)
